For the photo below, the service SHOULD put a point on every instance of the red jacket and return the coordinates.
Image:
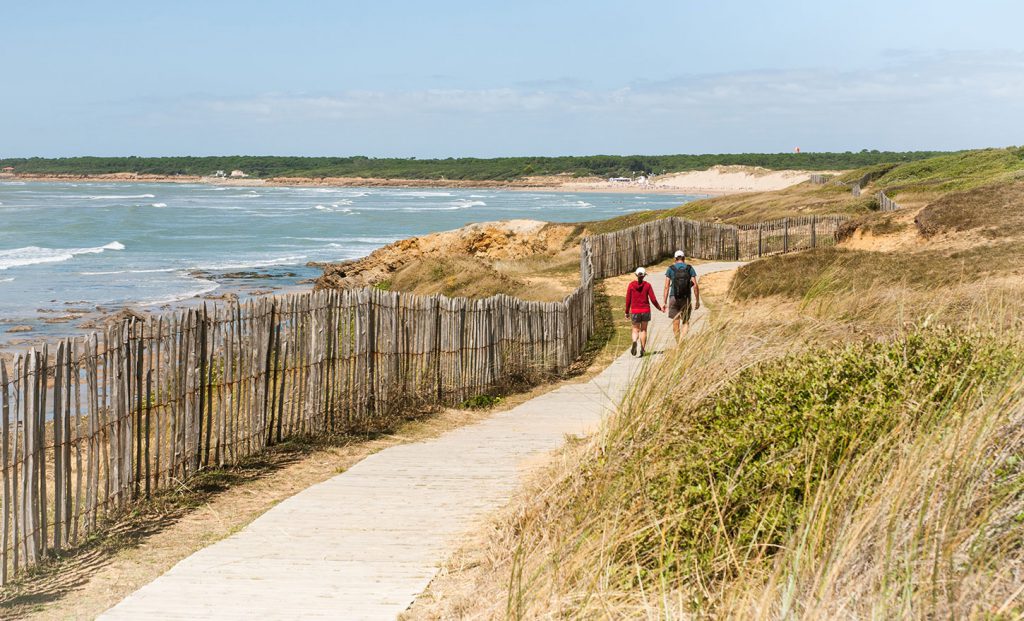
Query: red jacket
(637, 296)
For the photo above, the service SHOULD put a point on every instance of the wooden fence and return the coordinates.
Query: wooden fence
(820, 179)
(887, 204)
(96, 423)
(93, 424)
(623, 251)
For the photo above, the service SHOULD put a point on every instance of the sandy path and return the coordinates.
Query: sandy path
(365, 543)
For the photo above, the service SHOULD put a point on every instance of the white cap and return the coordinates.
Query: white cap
(641, 271)
(680, 254)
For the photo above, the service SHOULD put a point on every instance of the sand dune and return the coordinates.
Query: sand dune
(715, 180)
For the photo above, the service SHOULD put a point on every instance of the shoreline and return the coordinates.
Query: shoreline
(717, 181)
(713, 182)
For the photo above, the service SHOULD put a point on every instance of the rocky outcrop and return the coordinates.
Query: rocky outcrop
(505, 240)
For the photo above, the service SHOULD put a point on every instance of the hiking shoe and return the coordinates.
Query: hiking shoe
(642, 351)
(632, 349)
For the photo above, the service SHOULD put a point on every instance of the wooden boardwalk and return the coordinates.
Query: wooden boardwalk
(365, 543)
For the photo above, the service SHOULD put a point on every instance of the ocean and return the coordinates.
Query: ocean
(68, 250)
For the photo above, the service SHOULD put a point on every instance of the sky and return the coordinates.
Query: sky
(454, 78)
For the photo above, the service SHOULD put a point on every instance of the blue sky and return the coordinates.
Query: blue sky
(457, 78)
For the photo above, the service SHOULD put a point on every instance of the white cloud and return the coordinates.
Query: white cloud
(915, 79)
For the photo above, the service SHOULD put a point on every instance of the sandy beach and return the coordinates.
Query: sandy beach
(717, 180)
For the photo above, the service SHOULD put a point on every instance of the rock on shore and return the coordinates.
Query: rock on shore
(504, 240)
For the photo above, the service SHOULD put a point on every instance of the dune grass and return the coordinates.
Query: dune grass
(927, 178)
(878, 477)
(956, 171)
(844, 440)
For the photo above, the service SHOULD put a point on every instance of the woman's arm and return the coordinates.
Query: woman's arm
(653, 298)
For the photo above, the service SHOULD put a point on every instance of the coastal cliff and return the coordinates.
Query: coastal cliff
(507, 240)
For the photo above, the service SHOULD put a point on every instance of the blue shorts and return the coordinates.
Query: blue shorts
(640, 317)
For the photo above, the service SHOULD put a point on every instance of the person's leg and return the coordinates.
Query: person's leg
(675, 327)
(636, 337)
(643, 337)
(684, 320)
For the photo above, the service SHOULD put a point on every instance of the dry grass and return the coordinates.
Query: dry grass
(591, 536)
(799, 200)
(453, 277)
(896, 491)
(804, 199)
(541, 278)
(995, 211)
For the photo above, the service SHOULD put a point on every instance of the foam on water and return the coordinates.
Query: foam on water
(49, 235)
(118, 197)
(114, 272)
(34, 255)
(335, 207)
(464, 203)
(422, 194)
(253, 264)
(199, 287)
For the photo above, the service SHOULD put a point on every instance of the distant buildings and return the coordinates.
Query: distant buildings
(638, 180)
(7, 169)
(237, 174)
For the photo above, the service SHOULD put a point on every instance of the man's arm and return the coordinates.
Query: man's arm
(696, 293)
(664, 297)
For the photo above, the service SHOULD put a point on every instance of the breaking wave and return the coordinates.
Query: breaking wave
(33, 255)
(115, 197)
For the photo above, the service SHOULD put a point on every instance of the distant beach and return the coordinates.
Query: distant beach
(715, 181)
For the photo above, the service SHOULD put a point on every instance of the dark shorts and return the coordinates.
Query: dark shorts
(680, 311)
(640, 317)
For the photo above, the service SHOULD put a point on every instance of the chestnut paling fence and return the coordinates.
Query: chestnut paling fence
(622, 251)
(93, 424)
(887, 204)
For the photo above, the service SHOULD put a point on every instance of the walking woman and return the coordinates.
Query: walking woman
(639, 297)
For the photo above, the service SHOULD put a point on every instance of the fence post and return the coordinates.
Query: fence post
(760, 240)
(785, 235)
(814, 232)
(736, 238)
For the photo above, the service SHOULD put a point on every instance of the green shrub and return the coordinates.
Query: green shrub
(728, 480)
(481, 402)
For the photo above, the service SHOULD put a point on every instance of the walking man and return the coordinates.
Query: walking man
(679, 280)
(639, 295)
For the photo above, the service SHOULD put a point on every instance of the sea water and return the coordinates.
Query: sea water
(67, 248)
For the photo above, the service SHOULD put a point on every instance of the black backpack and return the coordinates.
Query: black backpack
(681, 281)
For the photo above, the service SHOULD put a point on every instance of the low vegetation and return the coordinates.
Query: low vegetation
(494, 169)
(918, 181)
(956, 171)
(844, 439)
(995, 210)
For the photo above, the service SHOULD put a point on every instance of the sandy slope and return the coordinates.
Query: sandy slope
(715, 180)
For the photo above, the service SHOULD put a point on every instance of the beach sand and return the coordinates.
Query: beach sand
(716, 180)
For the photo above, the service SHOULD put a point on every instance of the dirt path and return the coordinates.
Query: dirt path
(367, 541)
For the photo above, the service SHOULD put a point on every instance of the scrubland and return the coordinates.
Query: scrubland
(843, 439)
